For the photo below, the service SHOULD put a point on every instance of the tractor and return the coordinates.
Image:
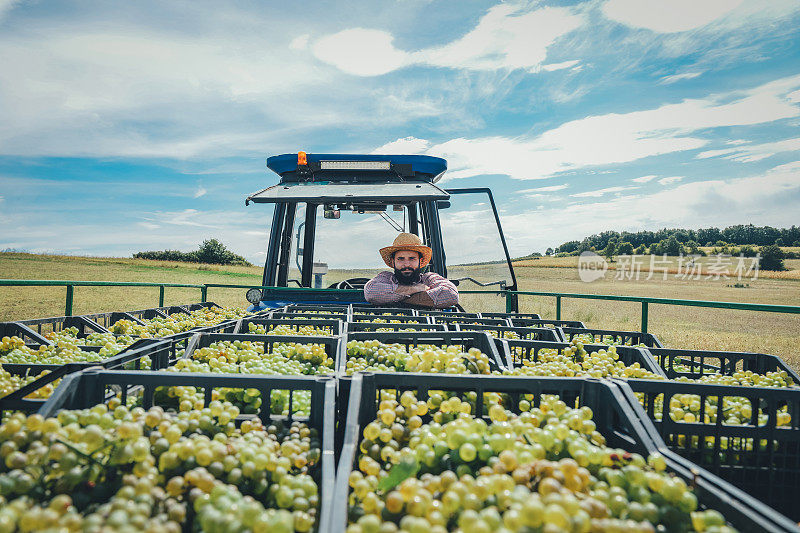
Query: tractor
(326, 207)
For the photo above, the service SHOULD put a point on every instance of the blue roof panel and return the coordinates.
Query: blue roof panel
(423, 164)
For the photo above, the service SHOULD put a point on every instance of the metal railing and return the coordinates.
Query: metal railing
(559, 296)
(646, 301)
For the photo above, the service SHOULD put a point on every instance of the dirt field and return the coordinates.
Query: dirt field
(687, 327)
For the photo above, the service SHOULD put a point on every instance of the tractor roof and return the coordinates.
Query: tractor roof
(357, 167)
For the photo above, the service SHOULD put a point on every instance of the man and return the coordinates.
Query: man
(407, 284)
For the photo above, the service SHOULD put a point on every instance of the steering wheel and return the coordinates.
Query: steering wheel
(351, 283)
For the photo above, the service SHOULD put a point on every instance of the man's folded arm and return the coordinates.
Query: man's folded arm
(442, 291)
(379, 290)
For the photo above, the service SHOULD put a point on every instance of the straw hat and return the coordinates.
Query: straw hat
(407, 242)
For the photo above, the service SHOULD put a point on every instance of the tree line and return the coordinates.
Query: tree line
(210, 252)
(741, 234)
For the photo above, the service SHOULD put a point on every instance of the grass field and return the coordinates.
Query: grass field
(685, 327)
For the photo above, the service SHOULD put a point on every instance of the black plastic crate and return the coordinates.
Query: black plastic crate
(288, 315)
(90, 387)
(179, 341)
(333, 327)
(24, 332)
(442, 313)
(157, 351)
(622, 423)
(315, 309)
(760, 457)
(468, 321)
(543, 323)
(612, 413)
(531, 316)
(373, 310)
(394, 326)
(694, 364)
(465, 339)
(604, 336)
(201, 340)
(518, 351)
(43, 326)
(405, 319)
(508, 332)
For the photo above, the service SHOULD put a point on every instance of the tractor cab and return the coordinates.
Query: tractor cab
(332, 212)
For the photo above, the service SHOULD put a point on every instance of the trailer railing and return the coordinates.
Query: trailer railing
(510, 296)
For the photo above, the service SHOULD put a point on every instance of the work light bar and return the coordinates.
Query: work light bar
(355, 165)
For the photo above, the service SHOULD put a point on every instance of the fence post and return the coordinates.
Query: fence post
(203, 293)
(644, 317)
(161, 296)
(68, 305)
(558, 307)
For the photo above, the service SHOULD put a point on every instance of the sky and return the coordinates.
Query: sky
(144, 125)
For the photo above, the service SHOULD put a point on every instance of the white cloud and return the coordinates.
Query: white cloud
(666, 80)
(617, 137)
(201, 191)
(670, 180)
(769, 198)
(506, 37)
(560, 66)
(6, 6)
(644, 179)
(300, 42)
(600, 192)
(360, 51)
(549, 188)
(794, 166)
(752, 153)
(406, 145)
(149, 225)
(668, 17)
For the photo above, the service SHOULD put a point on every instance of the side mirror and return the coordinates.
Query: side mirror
(442, 204)
(332, 213)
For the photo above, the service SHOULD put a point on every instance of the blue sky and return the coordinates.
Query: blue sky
(130, 126)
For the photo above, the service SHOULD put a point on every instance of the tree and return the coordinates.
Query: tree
(779, 242)
(796, 244)
(771, 258)
(672, 246)
(624, 248)
(608, 251)
(694, 248)
(549, 251)
(641, 250)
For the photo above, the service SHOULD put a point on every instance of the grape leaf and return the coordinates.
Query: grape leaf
(398, 474)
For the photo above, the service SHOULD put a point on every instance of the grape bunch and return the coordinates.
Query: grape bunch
(735, 410)
(544, 469)
(574, 361)
(245, 357)
(377, 356)
(286, 329)
(11, 382)
(177, 322)
(14, 350)
(110, 344)
(110, 468)
(597, 338)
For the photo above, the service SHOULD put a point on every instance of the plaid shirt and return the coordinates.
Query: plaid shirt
(381, 289)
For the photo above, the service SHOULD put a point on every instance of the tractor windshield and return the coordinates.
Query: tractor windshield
(473, 242)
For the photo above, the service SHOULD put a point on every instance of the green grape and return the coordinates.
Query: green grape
(112, 468)
(377, 356)
(546, 468)
(177, 322)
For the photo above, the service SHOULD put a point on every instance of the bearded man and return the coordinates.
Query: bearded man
(408, 284)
